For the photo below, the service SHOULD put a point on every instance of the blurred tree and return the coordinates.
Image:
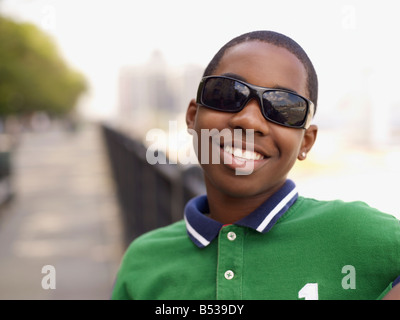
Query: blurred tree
(33, 75)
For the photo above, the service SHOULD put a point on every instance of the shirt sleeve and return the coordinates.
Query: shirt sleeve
(395, 282)
(389, 287)
(385, 292)
(119, 291)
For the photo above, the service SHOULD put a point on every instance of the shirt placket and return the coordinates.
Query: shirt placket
(230, 263)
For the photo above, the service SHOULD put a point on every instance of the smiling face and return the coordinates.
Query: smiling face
(276, 147)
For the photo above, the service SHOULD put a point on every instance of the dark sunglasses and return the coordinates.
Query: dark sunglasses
(280, 106)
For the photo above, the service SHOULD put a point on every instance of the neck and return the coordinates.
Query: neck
(228, 209)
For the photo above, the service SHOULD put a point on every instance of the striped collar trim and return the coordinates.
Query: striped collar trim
(202, 230)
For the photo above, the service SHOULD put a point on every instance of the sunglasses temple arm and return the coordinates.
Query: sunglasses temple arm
(310, 115)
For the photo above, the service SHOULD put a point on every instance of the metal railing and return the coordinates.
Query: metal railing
(6, 189)
(150, 196)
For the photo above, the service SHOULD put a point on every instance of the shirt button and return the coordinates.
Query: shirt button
(231, 235)
(229, 275)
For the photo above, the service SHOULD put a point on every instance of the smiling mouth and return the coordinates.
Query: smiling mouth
(243, 155)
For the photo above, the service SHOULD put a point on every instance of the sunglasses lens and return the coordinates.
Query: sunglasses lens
(224, 94)
(229, 95)
(285, 108)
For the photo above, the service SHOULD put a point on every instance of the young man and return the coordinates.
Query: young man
(252, 236)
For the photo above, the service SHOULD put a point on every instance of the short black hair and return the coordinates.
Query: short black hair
(278, 40)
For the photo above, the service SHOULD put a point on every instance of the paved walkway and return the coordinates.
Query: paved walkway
(64, 214)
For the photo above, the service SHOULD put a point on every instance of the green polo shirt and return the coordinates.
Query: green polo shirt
(290, 248)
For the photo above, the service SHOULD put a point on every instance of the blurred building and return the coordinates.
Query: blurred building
(153, 93)
(368, 115)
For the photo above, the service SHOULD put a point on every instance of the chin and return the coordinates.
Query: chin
(240, 187)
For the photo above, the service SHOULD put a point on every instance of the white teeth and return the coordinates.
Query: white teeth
(244, 154)
(237, 152)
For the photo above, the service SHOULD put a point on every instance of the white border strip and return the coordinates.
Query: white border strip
(276, 210)
(195, 234)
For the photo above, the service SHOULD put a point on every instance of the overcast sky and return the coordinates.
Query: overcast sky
(344, 39)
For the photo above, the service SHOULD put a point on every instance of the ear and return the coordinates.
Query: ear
(191, 113)
(309, 138)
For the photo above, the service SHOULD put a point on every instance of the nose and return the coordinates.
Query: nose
(250, 117)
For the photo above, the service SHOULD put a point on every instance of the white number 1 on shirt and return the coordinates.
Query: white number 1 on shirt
(309, 291)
